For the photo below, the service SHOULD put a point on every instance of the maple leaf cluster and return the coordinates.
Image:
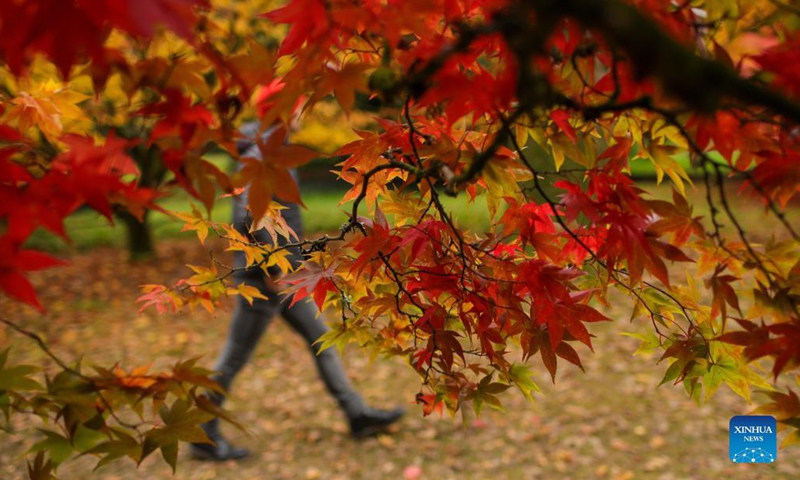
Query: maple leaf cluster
(541, 109)
(110, 120)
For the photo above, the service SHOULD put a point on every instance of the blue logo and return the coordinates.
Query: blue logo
(753, 439)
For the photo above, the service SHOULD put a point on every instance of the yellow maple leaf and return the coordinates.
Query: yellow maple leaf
(50, 107)
(195, 221)
(248, 292)
(274, 223)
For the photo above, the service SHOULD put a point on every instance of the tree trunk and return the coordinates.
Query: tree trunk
(139, 236)
(152, 172)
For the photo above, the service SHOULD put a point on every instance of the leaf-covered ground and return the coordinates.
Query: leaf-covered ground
(611, 422)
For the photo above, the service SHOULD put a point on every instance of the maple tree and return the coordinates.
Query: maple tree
(537, 108)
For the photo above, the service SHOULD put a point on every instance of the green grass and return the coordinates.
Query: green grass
(88, 230)
(644, 169)
(324, 214)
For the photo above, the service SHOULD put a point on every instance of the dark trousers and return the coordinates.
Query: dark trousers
(250, 321)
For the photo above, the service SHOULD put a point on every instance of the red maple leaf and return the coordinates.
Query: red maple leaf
(576, 202)
(784, 61)
(561, 118)
(617, 155)
(779, 175)
(379, 240)
(41, 27)
(312, 279)
(14, 262)
(309, 23)
(92, 173)
(783, 344)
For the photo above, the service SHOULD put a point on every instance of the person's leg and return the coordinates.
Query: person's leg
(249, 321)
(303, 318)
(247, 326)
(364, 421)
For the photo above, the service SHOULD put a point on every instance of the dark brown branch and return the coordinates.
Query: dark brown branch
(786, 6)
(44, 348)
(699, 82)
(554, 208)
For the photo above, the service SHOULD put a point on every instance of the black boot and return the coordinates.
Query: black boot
(220, 450)
(372, 421)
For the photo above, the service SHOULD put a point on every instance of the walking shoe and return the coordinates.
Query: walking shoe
(219, 451)
(372, 421)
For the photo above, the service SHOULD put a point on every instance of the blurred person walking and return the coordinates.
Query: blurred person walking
(250, 321)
